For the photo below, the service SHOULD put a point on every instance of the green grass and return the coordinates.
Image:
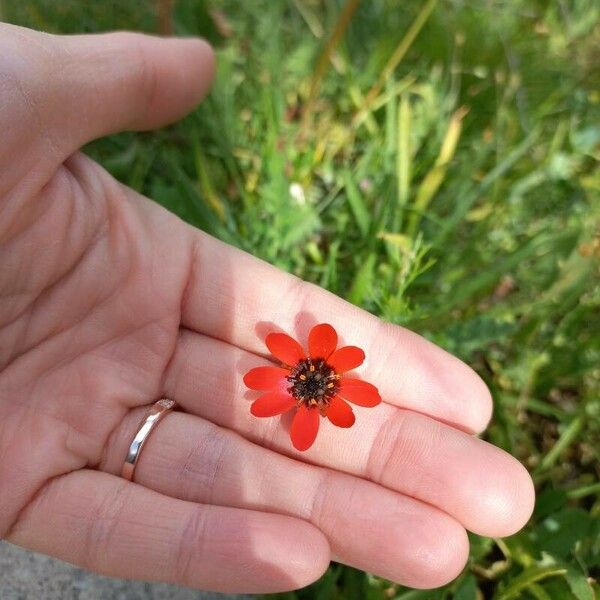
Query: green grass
(438, 165)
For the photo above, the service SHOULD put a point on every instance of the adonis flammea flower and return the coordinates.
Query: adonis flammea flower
(313, 384)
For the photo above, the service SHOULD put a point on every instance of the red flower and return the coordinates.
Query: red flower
(314, 385)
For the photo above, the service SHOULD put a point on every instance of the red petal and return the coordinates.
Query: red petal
(284, 348)
(304, 427)
(340, 413)
(346, 358)
(359, 392)
(271, 404)
(322, 341)
(267, 378)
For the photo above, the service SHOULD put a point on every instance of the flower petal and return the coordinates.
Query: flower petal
(267, 378)
(305, 427)
(322, 341)
(284, 348)
(271, 404)
(340, 413)
(346, 358)
(359, 392)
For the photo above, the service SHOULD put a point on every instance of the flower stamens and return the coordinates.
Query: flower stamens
(313, 383)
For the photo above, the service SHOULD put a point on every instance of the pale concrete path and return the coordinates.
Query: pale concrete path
(28, 576)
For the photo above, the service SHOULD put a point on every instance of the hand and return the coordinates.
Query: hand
(108, 302)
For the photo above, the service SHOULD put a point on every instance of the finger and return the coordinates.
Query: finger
(368, 526)
(77, 88)
(121, 529)
(238, 298)
(481, 486)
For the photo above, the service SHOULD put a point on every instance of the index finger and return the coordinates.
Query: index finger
(238, 298)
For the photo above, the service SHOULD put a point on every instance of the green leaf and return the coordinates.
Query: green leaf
(558, 533)
(549, 501)
(421, 595)
(528, 577)
(357, 204)
(466, 588)
(579, 584)
(539, 593)
(476, 334)
(362, 284)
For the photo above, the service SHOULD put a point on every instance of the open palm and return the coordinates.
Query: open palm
(108, 302)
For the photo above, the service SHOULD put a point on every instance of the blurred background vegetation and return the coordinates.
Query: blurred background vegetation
(435, 162)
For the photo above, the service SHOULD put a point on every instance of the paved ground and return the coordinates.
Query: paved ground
(28, 576)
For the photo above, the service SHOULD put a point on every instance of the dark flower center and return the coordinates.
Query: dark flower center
(314, 383)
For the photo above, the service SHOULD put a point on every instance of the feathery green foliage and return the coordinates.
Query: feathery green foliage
(440, 169)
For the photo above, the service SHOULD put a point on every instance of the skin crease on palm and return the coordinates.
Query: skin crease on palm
(108, 302)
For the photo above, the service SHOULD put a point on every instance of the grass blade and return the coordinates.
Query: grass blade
(324, 60)
(361, 286)
(398, 54)
(403, 160)
(435, 177)
(470, 196)
(357, 205)
(568, 436)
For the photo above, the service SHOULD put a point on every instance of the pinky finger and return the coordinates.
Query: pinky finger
(121, 529)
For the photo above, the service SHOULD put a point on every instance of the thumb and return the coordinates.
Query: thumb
(82, 87)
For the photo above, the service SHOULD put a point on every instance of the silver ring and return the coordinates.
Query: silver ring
(156, 413)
